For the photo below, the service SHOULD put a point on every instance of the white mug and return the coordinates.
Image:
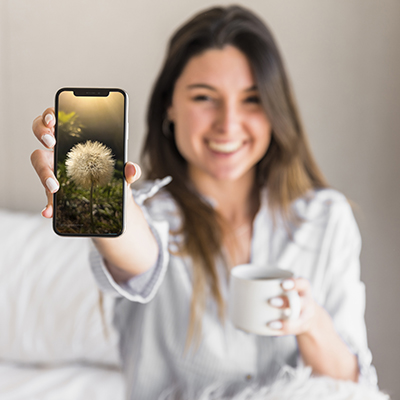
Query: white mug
(250, 289)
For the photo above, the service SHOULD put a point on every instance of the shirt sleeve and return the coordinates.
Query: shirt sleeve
(345, 299)
(141, 288)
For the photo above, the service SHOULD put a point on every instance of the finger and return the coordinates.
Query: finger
(295, 326)
(287, 327)
(282, 303)
(49, 117)
(43, 128)
(47, 212)
(300, 284)
(279, 302)
(132, 172)
(42, 162)
(288, 284)
(276, 326)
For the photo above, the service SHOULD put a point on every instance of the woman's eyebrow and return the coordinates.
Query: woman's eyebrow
(200, 85)
(205, 86)
(252, 88)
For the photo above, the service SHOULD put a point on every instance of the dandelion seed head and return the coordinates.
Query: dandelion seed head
(90, 163)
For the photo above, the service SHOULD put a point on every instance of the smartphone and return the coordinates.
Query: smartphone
(89, 159)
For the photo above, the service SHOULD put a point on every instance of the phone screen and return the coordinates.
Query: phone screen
(89, 161)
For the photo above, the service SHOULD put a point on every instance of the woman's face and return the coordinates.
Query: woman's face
(220, 126)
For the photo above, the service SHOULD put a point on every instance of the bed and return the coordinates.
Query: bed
(54, 343)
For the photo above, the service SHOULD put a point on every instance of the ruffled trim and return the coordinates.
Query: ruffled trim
(149, 189)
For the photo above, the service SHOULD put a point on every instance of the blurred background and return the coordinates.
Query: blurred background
(343, 57)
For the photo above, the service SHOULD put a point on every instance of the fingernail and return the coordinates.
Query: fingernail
(52, 185)
(137, 171)
(277, 325)
(48, 140)
(287, 312)
(48, 210)
(44, 209)
(288, 284)
(276, 302)
(48, 118)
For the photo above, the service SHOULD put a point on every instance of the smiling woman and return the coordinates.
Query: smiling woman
(220, 130)
(225, 85)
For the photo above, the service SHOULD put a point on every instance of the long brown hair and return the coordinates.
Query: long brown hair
(287, 169)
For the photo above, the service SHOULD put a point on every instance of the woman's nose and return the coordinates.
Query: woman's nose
(227, 118)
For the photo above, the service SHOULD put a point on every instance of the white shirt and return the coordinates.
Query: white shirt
(152, 309)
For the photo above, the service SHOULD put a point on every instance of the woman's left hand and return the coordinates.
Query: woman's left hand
(319, 344)
(309, 308)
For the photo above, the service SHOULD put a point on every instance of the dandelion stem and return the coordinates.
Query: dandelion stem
(91, 205)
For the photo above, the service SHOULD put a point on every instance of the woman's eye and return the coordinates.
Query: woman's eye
(202, 98)
(253, 99)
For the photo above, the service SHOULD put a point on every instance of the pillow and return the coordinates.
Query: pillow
(49, 301)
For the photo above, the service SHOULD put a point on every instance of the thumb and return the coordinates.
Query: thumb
(132, 172)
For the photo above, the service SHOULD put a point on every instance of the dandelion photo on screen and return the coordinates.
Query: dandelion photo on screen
(90, 161)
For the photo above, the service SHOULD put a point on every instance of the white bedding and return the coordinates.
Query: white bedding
(71, 382)
(49, 301)
(50, 316)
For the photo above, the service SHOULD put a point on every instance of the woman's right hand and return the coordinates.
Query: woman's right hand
(43, 160)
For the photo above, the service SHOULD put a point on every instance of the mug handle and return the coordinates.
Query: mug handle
(294, 304)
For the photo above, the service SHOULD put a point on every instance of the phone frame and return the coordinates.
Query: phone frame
(93, 92)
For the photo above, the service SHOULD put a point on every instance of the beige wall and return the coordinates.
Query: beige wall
(344, 59)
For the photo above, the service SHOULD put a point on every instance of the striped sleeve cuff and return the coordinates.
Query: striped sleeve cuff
(141, 288)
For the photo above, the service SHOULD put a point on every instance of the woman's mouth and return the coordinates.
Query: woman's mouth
(225, 147)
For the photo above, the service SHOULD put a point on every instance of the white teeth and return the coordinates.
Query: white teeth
(227, 147)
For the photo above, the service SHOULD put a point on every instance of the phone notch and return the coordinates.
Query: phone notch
(91, 92)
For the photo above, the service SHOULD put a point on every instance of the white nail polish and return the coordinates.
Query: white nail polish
(48, 118)
(276, 302)
(277, 325)
(288, 284)
(52, 185)
(287, 312)
(138, 172)
(48, 140)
